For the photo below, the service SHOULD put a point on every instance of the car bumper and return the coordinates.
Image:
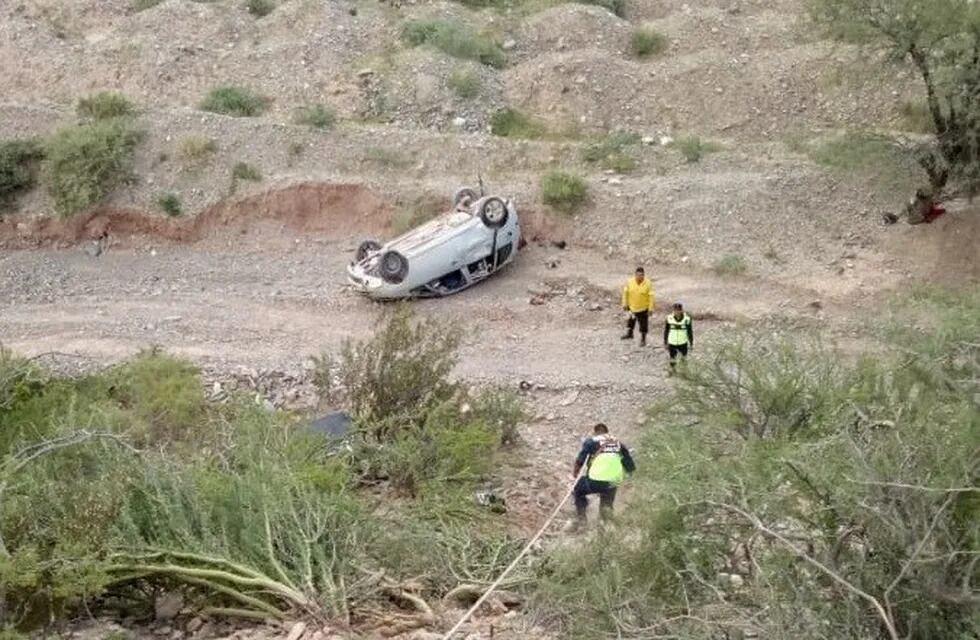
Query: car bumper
(363, 282)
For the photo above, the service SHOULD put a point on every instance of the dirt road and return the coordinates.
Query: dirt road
(270, 301)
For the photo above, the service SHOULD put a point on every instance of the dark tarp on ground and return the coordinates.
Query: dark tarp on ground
(333, 425)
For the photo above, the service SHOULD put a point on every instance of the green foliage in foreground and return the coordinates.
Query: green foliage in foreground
(117, 483)
(793, 495)
(84, 163)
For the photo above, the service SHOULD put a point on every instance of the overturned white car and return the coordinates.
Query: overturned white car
(445, 255)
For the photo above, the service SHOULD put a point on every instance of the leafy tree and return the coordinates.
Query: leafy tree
(941, 40)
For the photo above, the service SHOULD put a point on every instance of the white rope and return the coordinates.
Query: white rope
(527, 547)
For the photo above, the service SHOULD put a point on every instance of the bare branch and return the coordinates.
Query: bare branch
(918, 549)
(883, 613)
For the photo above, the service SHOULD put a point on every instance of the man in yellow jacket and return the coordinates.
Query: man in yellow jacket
(638, 300)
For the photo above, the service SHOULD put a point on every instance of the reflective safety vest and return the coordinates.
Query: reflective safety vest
(606, 464)
(677, 334)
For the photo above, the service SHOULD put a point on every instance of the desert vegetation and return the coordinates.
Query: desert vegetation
(244, 510)
(799, 495)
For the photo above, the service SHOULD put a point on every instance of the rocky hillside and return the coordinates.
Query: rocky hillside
(744, 86)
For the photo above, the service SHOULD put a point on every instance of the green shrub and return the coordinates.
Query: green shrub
(163, 391)
(248, 497)
(234, 101)
(415, 427)
(18, 168)
(402, 371)
(84, 163)
(196, 148)
(105, 105)
(260, 8)
(316, 116)
(502, 410)
(647, 42)
(563, 191)
(693, 148)
(245, 171)
(730, 264)
(454, 40)
(170, 204)
(142, 5)
(819, 483)
(511, 123)
(613, 151)
(465, 82)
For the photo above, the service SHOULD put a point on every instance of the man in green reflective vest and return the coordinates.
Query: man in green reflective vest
(608, 463)
(678, 334)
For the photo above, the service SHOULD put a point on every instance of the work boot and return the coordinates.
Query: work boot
(626, 336)
(575, 525)
(643, 340)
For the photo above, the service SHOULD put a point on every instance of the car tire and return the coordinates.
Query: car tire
(493, 212)
(465, 194)
(393, 267)
(366, 248)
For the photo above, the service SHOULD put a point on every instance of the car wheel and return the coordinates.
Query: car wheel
(467, 195)
(366, 248)
(393, 267)
(493, 211)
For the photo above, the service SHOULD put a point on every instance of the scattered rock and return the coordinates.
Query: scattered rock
(536, 300)
(559, 244)
(569, 399)
(296, 631)
(648, 140)
(816, 304)
(194, 624)
(167, 605)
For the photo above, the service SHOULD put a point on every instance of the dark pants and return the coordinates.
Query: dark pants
(585, 487)
(673, 350)
(639, 317)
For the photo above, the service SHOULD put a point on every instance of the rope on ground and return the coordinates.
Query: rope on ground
(512, 565)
